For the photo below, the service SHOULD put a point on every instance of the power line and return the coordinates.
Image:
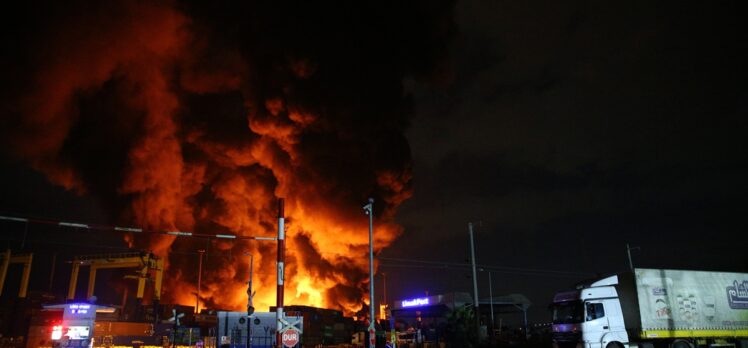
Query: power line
(453, 268)
(493, 268)
(96, 246)
(126, 229)
(423, 262)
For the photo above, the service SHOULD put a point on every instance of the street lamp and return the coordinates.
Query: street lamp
(199, 280)
(368, 209)
(250, 296)
(475, 280)
(384, 288)
(490, 293)
(628, 250)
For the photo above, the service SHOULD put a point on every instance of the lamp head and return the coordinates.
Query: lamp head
(368, 206)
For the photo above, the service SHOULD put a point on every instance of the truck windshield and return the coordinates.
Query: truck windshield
(571, 312)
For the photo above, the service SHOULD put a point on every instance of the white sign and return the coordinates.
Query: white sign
(78, 332)
(294, 324)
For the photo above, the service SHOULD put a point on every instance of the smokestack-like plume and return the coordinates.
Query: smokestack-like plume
(198, 116)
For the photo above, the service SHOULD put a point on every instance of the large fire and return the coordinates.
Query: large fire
(180, 119)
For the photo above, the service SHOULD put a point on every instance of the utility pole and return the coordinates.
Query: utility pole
(250, 306)
(199, 280)
(369, 210)
(475, 279)
(490, 293)
(52, 274)
(25, 234)
(281, 271)
(628, 250)
(384, 288)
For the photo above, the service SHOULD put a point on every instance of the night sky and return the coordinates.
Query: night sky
(563, 131)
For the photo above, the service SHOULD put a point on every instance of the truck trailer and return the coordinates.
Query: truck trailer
(654, 308)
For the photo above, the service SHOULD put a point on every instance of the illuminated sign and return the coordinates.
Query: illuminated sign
(78, 332)
(79, 308)
(415, 302)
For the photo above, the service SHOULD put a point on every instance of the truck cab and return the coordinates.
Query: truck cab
(589, 317)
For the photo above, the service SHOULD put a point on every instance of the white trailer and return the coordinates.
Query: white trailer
(654, 307)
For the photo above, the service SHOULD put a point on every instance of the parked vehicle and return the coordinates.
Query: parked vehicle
(651, 308)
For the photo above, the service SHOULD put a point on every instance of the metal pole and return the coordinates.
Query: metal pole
(281, 265)
(369, 211)
(250, 307)
(25, 233)
(4, 269)
(475, 279)
(631, 263)
(384, 288)
(52, 274)
(490, 293)
(199, 281)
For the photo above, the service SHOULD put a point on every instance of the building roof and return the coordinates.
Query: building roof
(63, 306)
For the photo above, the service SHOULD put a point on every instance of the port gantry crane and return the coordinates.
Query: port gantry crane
(8, 259)
(144, 262)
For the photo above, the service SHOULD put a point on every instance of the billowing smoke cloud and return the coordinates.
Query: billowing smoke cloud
(197, 117)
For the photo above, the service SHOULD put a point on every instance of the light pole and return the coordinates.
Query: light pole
(384, 288)
(199, 280)
(368, 208)
(281, 272)
(52, 274)
(475, 279)
(628, 250)
(250, 306)
(490, 293)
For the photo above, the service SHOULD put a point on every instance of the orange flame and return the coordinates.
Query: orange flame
(178, 172)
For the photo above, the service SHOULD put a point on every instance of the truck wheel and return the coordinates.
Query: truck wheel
(614, 345)
(681, 344)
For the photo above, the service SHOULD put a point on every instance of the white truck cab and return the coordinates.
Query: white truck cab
(590, 317)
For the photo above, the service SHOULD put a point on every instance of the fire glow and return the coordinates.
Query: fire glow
(180, 129)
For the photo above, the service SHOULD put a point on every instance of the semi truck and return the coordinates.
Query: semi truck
(654, 308)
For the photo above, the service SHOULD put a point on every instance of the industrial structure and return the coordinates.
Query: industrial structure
(77, 321)
(426, 317)
(149, 268)
(7, 260)
(72, 320)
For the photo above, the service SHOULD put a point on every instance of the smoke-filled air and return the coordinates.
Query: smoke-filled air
(200, 116)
